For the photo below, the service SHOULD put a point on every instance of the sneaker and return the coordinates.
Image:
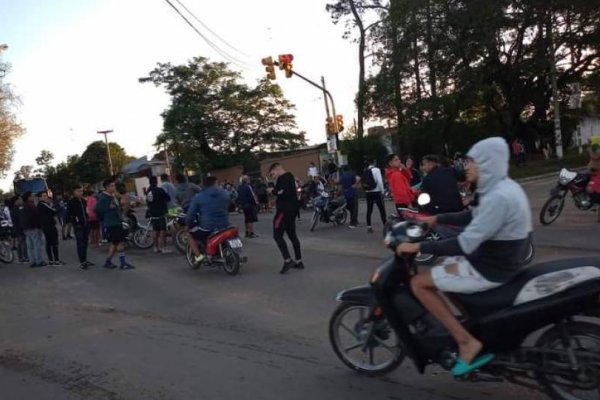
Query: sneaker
(251, 235)
(59, 262)
(298, 265)
(352, 226)
(52, 263)
(157, 251)
(127, 266)
(83, 265)
(369, 229)
(286, 266)
(198, 259)
(109, 265)
(166, 251)
(42, 264)
(89, 263)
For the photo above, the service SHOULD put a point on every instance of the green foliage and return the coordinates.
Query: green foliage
(93, 165)
(214, 119)
(360, 150)
(10, 128)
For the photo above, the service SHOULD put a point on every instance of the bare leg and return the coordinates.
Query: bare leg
(424, 289)
(192, 243)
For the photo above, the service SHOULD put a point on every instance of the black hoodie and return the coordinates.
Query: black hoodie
(46, 215)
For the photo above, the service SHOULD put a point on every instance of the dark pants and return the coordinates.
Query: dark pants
(352, 206)
(21, 247)
(377, 199)
(81, 236)
(51, 235)
(285, 222)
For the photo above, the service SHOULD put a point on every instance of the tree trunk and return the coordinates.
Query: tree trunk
(431, 58)
(361, 96)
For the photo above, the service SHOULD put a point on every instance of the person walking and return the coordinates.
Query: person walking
(398, 179)
(157, 200)
(48, 216)
(109, 211)
(350, 182)
(32, 227)
(16, 210)
(285, 216)
(77, 214)
(372, 182)
(248, 203)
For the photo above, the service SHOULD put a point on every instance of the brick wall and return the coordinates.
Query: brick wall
(297, 164)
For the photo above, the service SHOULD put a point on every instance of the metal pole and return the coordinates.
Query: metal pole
(325, 97)
(105, 133)
(557, 131)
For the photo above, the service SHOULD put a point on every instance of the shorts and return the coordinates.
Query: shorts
(115, 234)
(250, 215)
(467, 280)
(159, 224)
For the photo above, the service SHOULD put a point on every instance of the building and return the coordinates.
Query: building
(296, 161)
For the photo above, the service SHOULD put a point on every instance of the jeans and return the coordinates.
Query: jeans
(81, 236)
(352, 206)
(34, 245)
(377, 199)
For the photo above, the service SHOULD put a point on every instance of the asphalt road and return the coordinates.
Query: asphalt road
(163, 331)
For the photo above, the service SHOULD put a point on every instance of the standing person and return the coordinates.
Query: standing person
(248, 203)
(32, 227)
(109, 211)
(312, 171)
(332, 173)
(60, 206)
(350, 182)
(15, 213)
(47, 215)
(169, 188)
(263, 195)
(442, 186)
(77, 214)
(416, 178)
(285, 216)
(94, 223)
(517, 149)
(185, 191)
(372, 182)
(157, 200)
(398, 179)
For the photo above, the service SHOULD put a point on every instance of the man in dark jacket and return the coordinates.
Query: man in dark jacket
(48, 214)
(157, 200)
(32, 227)
(285, 217)
(441, 185)
(77, 215)
(248, 202)
(15, 215)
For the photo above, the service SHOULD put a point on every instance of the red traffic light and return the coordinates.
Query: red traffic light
(285, 59)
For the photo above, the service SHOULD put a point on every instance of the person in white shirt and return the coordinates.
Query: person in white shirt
(374, 193)
(312, 170)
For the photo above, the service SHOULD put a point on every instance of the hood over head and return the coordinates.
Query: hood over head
(492, 159)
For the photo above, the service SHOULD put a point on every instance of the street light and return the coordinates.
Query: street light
(105, 133)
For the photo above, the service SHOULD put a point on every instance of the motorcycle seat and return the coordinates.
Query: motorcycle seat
(485, 303)
(338, 201)
(215, 233)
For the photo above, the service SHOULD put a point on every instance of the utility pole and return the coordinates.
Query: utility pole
(105, 133)
(553, 78)
(325, 96)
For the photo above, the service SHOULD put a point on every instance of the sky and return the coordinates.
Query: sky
(75, 65)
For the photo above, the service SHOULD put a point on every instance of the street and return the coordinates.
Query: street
(164, 331)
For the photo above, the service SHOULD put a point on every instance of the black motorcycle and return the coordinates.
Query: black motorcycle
(568, 181)
(543, 326)
(328, 210)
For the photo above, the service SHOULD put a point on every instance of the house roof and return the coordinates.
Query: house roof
(139, 165)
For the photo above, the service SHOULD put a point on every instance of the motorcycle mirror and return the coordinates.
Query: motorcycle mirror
(424, 199)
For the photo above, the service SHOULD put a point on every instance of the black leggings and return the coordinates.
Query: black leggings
(377, 199)
(285, 222)
(51, 234)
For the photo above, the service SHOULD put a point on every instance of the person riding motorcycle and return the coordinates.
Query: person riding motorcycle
(488, 253)
(207, 214)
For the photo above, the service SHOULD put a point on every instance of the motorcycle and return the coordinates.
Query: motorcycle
(531, 323)
(329, 210)
(7, 255)
(568, 181)
(224, 249)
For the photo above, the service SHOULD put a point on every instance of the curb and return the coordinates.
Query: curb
(546, 175)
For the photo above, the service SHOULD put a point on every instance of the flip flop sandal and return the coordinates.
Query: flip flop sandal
(462, 368)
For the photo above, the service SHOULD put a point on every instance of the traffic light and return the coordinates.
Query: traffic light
(268, 63)
(339, 119)
(329, 127)
(285, 63)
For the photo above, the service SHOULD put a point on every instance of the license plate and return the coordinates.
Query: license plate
(235, 243)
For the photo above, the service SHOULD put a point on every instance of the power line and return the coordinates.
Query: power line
(210, 30)
(216, 48)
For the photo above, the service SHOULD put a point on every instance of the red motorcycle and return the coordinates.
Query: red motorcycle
(224, 249)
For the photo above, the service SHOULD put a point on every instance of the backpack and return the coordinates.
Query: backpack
(368, 180)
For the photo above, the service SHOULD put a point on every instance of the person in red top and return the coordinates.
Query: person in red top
(398, 177)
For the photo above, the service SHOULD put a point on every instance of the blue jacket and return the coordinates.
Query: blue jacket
(245, 196)
(210, 208)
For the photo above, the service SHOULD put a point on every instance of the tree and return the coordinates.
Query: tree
(214, 120)
(10, 128)
(66, 174)
(93, 165)
(43, 161)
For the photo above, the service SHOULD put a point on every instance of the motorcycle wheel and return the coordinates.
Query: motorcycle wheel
(341, 219)
(584, 384)
(428, 259)
(142, 238)
(7, 256)
(552, 209)
(180, 240)
(189, 256)
(231, 261)
(359, 342)
(315, 220)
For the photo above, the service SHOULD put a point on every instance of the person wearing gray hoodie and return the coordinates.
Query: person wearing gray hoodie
(488, 253)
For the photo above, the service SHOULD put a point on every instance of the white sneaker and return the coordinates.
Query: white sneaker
(157, 250)
(166, 250)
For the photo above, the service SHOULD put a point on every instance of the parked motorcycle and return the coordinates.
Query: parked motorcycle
(329, 210)
(7, 255)
(528, 323)
(224, 249)
(568, 181)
